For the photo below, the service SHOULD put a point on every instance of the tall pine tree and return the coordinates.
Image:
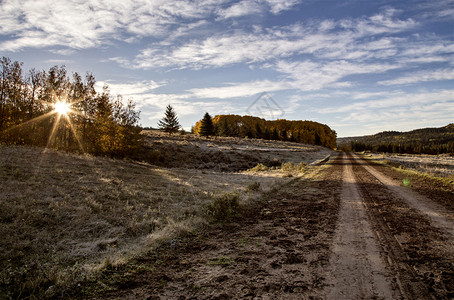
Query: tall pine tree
(169, 123)
(206, 126)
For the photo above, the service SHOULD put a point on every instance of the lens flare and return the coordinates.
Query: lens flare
(62, 108)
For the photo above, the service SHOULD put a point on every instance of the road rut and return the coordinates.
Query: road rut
(358, 268)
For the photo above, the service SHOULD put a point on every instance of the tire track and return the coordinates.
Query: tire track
(438, 215)
(419, 247)
(357, 267)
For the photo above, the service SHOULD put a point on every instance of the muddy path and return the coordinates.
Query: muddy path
(346, 231)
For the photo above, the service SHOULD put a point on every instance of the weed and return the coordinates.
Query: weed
(242, 242)
(222, 261)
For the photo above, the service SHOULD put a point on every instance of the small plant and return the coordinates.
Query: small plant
(224, 206)
(292, 167)
(223, 261)
(254, 187)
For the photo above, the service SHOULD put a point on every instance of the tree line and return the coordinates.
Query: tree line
(419, 141)
(96, 122)
(307, 132)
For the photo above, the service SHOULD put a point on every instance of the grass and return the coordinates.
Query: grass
(222, 261)
(67, 219)
(444, 179)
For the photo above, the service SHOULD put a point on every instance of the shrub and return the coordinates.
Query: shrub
(259, 168)
(254, 187)
(224, 206)
(292, 167)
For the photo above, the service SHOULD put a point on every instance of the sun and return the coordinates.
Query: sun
(62, 108)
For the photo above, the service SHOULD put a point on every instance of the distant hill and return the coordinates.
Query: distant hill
(419, 141)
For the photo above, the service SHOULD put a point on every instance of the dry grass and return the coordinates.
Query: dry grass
(227, 154)
(65, 216)
(436, 165)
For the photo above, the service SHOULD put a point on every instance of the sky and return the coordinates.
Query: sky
(359, 66)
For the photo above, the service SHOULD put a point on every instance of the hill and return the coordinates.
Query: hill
(226, 154)
(419, 141)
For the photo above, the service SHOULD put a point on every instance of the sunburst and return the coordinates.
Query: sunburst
(62, 108)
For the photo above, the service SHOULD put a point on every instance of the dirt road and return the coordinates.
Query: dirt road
(349, 231)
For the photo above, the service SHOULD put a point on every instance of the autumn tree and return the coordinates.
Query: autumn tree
(169, 123)
(96, 123)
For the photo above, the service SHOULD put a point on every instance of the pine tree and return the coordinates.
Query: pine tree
(206, 127)
(169, 123)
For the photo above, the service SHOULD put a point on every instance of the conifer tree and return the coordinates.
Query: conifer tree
(206, 127)
(169, 123)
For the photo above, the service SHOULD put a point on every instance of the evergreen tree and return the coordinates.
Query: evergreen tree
(169, 123)
(206, 127)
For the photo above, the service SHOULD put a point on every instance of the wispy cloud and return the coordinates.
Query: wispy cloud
(92, 23)
(407, 100)
(347, 39)
(277, 6)
(422, 76)
(244, 89)
(242, 8)
(248, 7)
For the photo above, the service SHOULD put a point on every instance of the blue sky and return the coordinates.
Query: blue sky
(359, 66)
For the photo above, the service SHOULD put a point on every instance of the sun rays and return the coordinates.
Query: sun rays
(61, 112)
(62, 108)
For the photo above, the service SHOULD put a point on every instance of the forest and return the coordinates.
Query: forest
(419, 141)
(307, 132)
(53, 109)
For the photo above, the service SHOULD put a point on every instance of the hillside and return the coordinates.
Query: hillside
(226, 154)
(421, 141)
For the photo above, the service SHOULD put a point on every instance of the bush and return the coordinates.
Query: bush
(224, 206)
(254, 187)
(259, 168)
(291, 167)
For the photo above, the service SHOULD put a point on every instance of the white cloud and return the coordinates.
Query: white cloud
(309, 76)
(407, 100)
(277, 6)
(242, 8)
(86, 24)
(344, 39)
(302, 76)
(235, 90)
(422, 76)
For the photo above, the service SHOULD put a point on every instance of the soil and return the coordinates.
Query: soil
(347, 231)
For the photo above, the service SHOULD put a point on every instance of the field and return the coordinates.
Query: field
(218, 218)
(65, 218)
